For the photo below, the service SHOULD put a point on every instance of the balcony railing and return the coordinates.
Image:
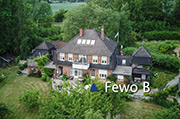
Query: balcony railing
(81, 64)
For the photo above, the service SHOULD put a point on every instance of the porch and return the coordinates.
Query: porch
(140, 75)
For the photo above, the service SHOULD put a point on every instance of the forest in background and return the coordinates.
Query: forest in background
(26, 23)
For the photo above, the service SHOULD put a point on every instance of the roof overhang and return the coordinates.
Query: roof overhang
(123, 70)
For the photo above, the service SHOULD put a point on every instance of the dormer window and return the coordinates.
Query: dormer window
(124, 62)
(95, 59)
(84, 41)
(79, 41)
(104, 60)
(62, 58)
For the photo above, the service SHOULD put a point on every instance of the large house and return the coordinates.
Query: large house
(88, 52)
(93, 53)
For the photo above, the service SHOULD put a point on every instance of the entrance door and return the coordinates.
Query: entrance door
(75, 73)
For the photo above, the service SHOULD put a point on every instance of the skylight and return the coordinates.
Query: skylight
(84, 41)
(88, 42)
(79, 41)
(92, 42)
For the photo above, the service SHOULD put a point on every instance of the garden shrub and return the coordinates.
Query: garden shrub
(140, 86)
(18, 72)
(160, 98)
(49, 72)
(44, 77)
(3, 110)
(30, 98)
(128, 51)
(167, 47)
(162, 35)
(171, 113)
(64, 77)
(147, 94)
(22, 67)
(38, 74)
(86, 82)
(112, 78)
(173, 90)
(166, 62)
(85, 76)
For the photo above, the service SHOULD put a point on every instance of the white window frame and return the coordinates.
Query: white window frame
(82, 56)
(95, 59)
(62, 56)
(84, 41)
(70, 56)
(71, 73)
(143, 77)
(93, 42)
(124, 62)
(88, 42)
(103, 74)
(120, 78)
(79, 41)
(104, 60)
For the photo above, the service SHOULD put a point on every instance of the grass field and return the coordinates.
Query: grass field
(57, 6)
(140, 110)
(13, 86)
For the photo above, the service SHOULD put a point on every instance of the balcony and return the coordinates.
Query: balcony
(81, 64)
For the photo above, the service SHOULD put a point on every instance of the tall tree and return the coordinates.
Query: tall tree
(90, 17)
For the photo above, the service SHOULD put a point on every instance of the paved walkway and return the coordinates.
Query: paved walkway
(174, 81)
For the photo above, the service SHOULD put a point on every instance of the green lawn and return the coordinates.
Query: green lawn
(57, 6)
(13, 86)
(140, 110)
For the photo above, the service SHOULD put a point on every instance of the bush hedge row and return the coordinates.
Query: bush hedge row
(162, 35)
(166, 61)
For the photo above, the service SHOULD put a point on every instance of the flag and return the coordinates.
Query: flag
(117, 34)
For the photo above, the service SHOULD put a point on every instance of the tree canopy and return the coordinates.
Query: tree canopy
(90, 17)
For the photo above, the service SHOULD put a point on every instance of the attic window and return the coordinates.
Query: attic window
(79, 41)
(84, 41)
(92, 42)
(88, 42)
(124, 62)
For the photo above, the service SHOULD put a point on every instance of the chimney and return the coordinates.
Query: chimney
(81, 32)
(102, 33)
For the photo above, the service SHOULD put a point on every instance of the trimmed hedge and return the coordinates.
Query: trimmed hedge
(162, 35)
(166, 61)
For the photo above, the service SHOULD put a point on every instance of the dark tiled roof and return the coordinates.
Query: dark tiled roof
(127, 58)
(142, 60)
(141, 52)
(101, 47)
(64, 63)
(140, 71)
(142, 57)
(58, 44)
(44, 45)
(100, 66)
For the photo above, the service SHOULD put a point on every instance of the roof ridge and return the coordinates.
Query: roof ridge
(144, 50)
